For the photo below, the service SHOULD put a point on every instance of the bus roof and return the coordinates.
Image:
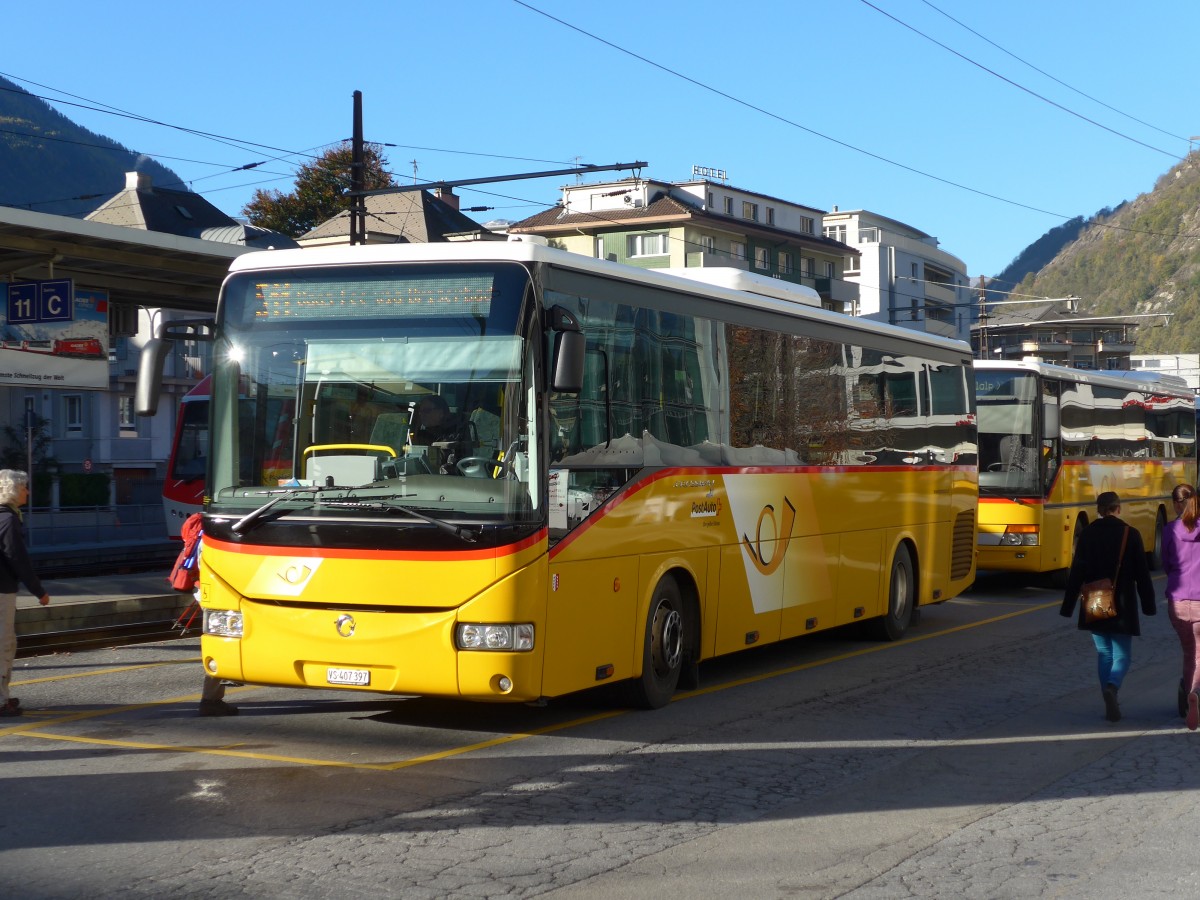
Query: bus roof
(529, 252)
(1118, 378)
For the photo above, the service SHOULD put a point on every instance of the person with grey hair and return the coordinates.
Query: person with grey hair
(16, 568)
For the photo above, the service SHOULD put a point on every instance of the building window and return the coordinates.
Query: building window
(830, 270)
(762, 258)
(914, 271)
(770, 215)
(851, 264)
(785, 263)
(125, 418)
(73, 411)
(646, 244)
(806, 225)
(737, 250)
(806, 266)
(749, 210)
(868, 235)
(707, 243)
(729, 206)
(711, 200)
(836, 232)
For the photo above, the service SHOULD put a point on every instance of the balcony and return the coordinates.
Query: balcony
(938, 327)
(936, 292)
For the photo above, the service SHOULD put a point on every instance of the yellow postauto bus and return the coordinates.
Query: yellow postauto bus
(1051, 439)
(508, 472)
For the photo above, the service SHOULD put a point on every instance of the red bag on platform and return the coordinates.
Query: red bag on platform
(186, 571)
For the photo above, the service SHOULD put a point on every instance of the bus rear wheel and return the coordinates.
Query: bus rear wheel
(662, 649)
(902, 599)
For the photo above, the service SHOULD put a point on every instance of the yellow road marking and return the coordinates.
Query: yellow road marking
(102, 671)
(36, 729)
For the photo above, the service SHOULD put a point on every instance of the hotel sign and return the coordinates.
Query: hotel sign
(709, 172)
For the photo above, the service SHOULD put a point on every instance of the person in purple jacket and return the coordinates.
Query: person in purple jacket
(1181, 560)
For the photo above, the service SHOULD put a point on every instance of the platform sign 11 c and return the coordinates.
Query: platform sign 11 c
(32, 302)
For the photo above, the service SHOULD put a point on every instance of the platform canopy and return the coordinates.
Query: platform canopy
(136, 267)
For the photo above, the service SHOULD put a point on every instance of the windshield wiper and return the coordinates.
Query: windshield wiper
(464, 534)
(246, 521)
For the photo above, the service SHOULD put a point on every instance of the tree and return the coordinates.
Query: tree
(321, 191)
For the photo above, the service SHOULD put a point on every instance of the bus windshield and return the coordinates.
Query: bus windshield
(1009, 447)
(367, 393)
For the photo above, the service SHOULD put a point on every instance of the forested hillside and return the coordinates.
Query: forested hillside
(48, 163)
(1142, 258)
(1037, 255)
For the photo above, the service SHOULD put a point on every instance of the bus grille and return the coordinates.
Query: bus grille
(963, 552)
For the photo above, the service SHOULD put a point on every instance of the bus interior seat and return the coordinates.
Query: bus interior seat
(391, 430)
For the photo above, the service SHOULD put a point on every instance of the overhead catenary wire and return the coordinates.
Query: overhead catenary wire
(1056, 80)
(1017, 85)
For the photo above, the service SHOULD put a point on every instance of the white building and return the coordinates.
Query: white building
(902, 276)
(699, 223)
(1182, 365)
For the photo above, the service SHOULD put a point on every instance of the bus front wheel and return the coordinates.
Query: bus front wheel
(902, 599)
(662, 649)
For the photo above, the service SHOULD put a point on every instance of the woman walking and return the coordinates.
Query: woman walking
(1108, 548)
(15, 569)
(1181, 561)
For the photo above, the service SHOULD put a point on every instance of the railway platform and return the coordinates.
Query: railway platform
(91, 610)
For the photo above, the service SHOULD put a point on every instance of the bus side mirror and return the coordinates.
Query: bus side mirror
(149, 377)
(570, 348)
(154, 358)
(1050, 429)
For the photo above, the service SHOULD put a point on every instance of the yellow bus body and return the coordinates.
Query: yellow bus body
(765, 554)
(1144, 487)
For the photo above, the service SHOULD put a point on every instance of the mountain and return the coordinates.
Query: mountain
(49, 164)
(1143, 257)
(1037, 255)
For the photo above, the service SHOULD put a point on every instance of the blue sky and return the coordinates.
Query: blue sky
(822, 102)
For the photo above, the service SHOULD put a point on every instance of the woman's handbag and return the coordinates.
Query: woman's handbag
(1099, 598)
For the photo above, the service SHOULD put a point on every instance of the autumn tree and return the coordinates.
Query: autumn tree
(321, 191)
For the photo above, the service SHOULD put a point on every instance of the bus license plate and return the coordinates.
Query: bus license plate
(358, 677)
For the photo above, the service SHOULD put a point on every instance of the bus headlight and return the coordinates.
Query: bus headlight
(223, 623)
(1020, 536)
(478, 636)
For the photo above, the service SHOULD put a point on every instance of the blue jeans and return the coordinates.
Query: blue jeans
(1114, 652)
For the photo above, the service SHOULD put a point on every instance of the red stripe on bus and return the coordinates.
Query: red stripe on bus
(394, 555)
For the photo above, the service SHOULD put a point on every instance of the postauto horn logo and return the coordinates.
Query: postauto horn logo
(776, 530)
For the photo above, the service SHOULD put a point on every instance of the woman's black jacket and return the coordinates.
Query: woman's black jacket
(16, 568)
(1096, 558)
